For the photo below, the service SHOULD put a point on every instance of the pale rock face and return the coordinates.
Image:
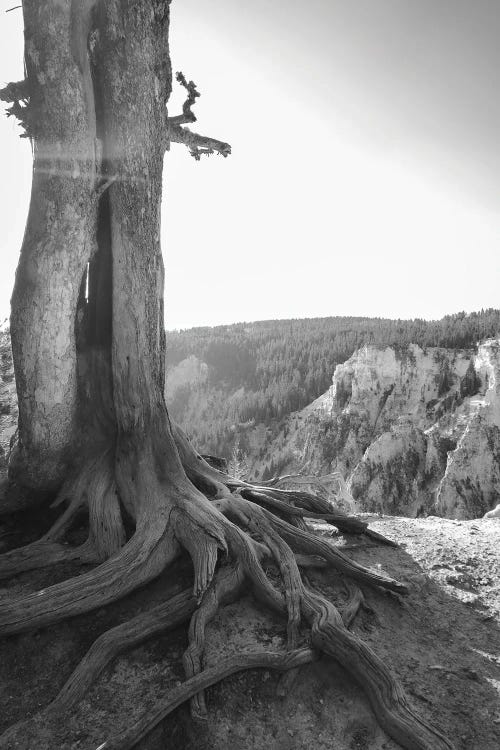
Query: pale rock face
(471, 484)
(406, 382)
(414, 431)
(487, 364)
(399, 471)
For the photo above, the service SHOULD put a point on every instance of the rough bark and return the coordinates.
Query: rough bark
(58, 242)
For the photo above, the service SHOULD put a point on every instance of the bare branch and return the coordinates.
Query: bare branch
(197, 144)
(187, 114)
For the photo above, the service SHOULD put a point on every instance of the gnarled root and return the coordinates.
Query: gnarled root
(178, 515)
(293, 505)
(355, 603)
(139, 561)
(224, 588)
(226, 667)
(42, 554)
(165, 616)
(92, 487)
(384, 692)
(330, 635)
(306, 542)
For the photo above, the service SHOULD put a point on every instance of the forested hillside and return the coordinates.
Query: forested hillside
(224, 379)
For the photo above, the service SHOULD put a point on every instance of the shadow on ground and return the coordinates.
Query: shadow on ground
(442, 641)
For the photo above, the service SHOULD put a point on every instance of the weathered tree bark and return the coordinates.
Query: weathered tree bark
(89, 351)
(58, 243)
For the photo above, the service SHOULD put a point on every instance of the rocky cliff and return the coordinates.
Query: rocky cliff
(414, 431)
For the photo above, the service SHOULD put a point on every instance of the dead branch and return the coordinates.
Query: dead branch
(187, 113)
(197, 144)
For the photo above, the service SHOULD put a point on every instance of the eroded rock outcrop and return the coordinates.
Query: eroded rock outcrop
(471, 484)
(415, 431)
(400, 471)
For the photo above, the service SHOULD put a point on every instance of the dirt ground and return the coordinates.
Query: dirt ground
(443, 642)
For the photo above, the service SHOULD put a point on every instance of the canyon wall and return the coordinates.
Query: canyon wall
(413, 431)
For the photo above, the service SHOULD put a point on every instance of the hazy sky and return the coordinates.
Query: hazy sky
(365, 174)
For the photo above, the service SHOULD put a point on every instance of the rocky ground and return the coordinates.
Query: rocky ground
(443, 642)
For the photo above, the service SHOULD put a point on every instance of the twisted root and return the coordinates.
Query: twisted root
(249, 525)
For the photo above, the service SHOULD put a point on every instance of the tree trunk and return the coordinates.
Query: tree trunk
(89, 350)
(58, 243)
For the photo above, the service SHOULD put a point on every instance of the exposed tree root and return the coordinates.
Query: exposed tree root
(292, 504)
(159, 619)
(306, 542)
(92, 487)
(384, 692)
(322, 485)
(330, 635)
(42, 555)
(140, 560)
(223, 588)
(165, 616)
(250, 524)
(355, 603)
(348, 613)
(226, 667)
(268, 499)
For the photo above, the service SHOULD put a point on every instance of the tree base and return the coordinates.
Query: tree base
(244, 709)
(265, 536)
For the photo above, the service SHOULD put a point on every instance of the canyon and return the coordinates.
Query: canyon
(412, 431)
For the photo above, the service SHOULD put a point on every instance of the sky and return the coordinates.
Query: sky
(364, 175)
